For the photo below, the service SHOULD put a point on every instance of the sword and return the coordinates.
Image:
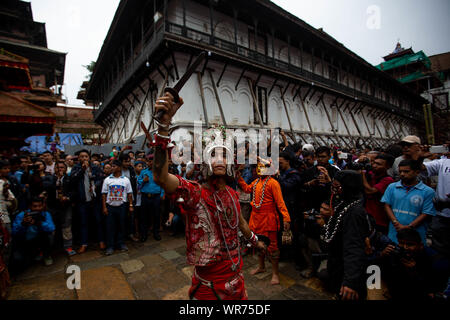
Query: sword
(174, 91)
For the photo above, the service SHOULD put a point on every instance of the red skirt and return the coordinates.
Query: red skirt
(218, 282)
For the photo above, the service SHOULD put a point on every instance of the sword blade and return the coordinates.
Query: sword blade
(189, 71)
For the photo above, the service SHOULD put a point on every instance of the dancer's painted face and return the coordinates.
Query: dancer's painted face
(219, 162)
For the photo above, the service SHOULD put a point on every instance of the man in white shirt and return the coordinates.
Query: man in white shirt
(116, 192)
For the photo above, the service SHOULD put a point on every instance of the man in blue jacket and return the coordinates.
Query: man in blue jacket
(33, 234)
(151, 202)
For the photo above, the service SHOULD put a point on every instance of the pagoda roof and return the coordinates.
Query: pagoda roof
(16, 109)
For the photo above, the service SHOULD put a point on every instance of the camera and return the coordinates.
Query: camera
(362, 165)
(401, 253)
(35, 215)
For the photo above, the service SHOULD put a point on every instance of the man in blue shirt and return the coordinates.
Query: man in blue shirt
(408, 202)
(151, 202)
(33, 233)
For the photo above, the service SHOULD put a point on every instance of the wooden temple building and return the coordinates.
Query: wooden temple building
(266, 69)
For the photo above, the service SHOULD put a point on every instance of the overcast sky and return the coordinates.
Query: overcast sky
(370, 28)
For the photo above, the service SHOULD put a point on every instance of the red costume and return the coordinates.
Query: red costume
(212, 224)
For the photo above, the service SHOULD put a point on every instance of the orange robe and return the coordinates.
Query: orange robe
(265, 219)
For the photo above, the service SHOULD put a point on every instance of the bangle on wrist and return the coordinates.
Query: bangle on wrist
(161, 125)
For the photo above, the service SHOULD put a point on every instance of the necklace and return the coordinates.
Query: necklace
(222, 209)
(257, 206)
(234, 266)
(327, 237)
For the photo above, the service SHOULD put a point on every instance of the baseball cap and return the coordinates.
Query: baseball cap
(411, 139)
(308, 147)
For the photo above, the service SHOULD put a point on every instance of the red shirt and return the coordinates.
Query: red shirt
(211, 237)
(374, 206)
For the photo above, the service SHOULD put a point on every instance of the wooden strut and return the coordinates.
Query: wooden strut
(345, 122)
(239, 80)
(161, 92)
(287, 114)
(107, 133)
(297, 92)
(368, 129)
(396, 133)
(175, 65)
(125, 119)
(221, 74)
(168, 70)
(202, 94)
(273, 85)
(217, 98)
(357, 127)
(115, 126)
(111, 137)
(255, 105)
(324, 142)
(331, 123)
(307, 120)
(141, 109)
(375, 118)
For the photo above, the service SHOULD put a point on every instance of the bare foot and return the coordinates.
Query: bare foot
(275, 279)
(257, 270)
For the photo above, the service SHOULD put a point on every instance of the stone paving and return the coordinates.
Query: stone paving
(155, 270)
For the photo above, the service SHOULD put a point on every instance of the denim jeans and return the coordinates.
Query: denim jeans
(86, 209)
(115, 226)
(150, 208)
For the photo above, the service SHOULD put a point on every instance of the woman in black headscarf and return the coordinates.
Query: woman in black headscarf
(345, 234)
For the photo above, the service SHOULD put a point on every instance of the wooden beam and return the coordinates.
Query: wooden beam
(255, 105)
(273, 85)
(297, 92)
(175, 65)
(307, 120)
(221, 74)
(287, 114)
(345, 123)
(141, 109)
(202, 94)
(331, 122)
(217, 98)
(152, 119)
(239, 80)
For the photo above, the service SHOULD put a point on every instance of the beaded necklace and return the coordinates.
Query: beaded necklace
(327, 237)
(257, 206)
(220, 209)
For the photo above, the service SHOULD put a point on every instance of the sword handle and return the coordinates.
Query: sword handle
(176, 99)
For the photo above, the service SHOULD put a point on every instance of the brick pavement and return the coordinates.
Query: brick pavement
(155, 270)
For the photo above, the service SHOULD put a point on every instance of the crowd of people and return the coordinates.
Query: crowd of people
(341, 210)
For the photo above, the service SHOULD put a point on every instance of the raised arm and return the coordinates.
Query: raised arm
(161, 175)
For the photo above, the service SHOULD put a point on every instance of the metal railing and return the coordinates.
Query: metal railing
(267, 61)
(154, 38)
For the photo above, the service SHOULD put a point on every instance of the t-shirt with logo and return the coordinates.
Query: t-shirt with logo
(407, 204)
(116, 190)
